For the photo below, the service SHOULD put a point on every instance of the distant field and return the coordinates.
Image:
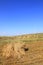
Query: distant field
(34, 55)
(23, 38)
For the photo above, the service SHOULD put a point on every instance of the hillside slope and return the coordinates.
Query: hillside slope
(22, 50)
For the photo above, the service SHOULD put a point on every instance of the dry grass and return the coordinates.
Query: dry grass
(22, 50)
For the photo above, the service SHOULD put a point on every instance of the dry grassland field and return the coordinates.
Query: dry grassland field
(22, 50)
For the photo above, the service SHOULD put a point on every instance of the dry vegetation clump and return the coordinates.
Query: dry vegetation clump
(13, 49)
(7, 50)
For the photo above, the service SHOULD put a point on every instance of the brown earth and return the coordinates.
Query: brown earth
(22, 54)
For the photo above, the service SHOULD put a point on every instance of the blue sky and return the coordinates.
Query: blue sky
(21, 17)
